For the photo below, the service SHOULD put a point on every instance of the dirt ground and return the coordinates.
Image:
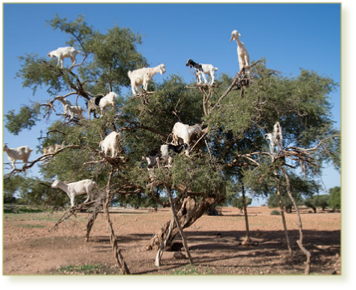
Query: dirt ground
(30, 248)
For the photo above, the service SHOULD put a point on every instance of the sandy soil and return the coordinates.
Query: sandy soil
(29, 248)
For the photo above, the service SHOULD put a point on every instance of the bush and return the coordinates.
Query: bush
(275, 212)
(335, 197)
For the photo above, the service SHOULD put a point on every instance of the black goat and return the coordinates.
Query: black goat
(93, 104)
(165, 152)
(201, 70)
(196, 66)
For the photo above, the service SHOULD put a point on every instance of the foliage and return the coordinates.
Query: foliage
(87, 269)
(335, 197)
(17, 208)
(192, 270)
(299, 188)
(317, 201)
(25, 119)
(239, 202)
(275, 212)
(32, 190)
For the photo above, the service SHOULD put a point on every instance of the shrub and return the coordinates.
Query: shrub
(275, 212)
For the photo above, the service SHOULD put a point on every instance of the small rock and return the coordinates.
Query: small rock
(179, 255)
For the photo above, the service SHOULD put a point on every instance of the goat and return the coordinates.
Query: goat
(76, 188)
(143, 76)
(75, 110)
(19, 153)
(184, 132)
(48, 150)
(109, 99)
(52, 149)
(164, 153)
(244, 58)
(275, 138)
(63, 52)
(111, 143)
(64, 102)
(93, 105)
(201, 70)
(58, 147)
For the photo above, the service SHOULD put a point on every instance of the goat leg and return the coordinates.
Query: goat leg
(157, 160)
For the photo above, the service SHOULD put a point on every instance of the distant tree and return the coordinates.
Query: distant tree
(335, 197)
(299, 188)
(11, 187)
(323, 201)
(239, 203)
(317, 201)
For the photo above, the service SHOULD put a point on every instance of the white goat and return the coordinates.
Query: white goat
(185, 132)
(109, 99)
(111, 142)
(244, 58)
(202, 70)
(52, 149)
(58, 147)
(63, 52)
(275, 138)
(76, 188)
(19, 153)
(75, 110)
(64, 102)
(48, 150)
(143, 76)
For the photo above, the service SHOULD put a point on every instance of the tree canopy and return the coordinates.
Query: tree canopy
(335, 197)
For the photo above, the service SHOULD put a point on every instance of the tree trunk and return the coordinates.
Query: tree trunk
(189, 211)
(178, 225)
(283, 217)
(164, 244)
(248, 239)
(91, 223)
(118, 257)
(300, 241)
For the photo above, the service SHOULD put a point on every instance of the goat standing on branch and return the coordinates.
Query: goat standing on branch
(93, 105)
(19, 153)
(164, 153)
(64, 102)
(143, 76)
(111, 142)
(184, 132)
(75, 110)
(201, 70)
(76, 188)
(106, 101)
(244, 58)
(63, 52)
(275, 138)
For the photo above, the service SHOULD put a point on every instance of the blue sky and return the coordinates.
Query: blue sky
(289, 36)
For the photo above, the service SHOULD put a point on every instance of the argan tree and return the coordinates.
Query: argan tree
(234, 113)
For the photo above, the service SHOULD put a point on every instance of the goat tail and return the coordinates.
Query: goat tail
(129, 73)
